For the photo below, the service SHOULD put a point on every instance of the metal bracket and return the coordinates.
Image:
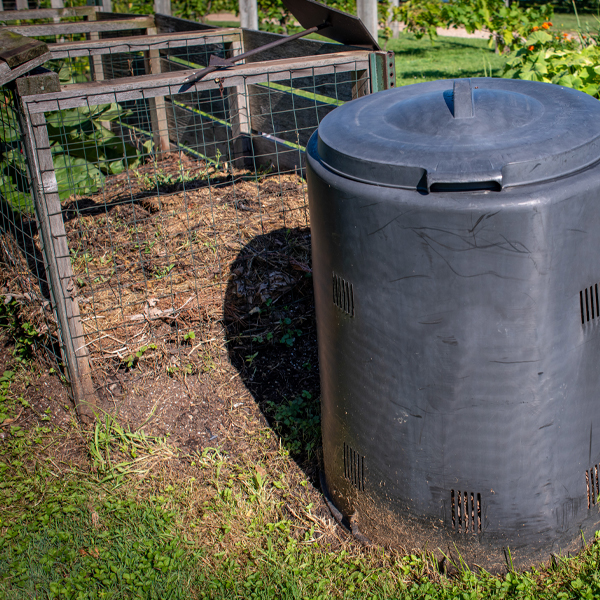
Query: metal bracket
(383, 71)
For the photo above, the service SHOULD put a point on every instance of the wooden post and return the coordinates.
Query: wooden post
(248, 14)
(162, 7)
(55, 246)
(57, 4)
(158, 110)
(395, 26)
(97, 66)
(240, 125)
(22, 4)
(239, 118)
(367, 13)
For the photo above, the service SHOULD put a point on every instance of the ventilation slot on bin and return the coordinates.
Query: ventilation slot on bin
(343, 295)
(466, 511)
(354, 468)
(593, 487)
(589, 305)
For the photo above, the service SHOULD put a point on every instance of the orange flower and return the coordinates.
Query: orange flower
(565, 35)
(530, 48)
(535, 28)
(546, 25)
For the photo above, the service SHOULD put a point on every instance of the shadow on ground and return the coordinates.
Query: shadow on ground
(272, 340)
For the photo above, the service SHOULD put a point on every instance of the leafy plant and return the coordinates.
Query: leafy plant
(250, 358)
(85, 151)
(25, 336)
(133, 359)
(13, 165)
(290, 334)
(558, 59)
(161, 272)
(162, 180)
(298, 422)
(508, 26)
(5, 404)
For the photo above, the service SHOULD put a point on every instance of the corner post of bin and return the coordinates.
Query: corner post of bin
(97, 65)
(54, 241)
(157, 105)
(239, 116)
(382, 66)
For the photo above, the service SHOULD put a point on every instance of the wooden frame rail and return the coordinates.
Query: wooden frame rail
(161, 41)
(167, 84)
(48, 13)
(82, 27)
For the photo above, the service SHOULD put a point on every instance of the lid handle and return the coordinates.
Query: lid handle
(462, 98)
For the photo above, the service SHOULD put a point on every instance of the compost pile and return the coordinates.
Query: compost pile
(154, 258)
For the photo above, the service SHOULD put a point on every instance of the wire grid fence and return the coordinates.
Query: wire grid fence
(158, 194)
(24, 281)
(78, 63)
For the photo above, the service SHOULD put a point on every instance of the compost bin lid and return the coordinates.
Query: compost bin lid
(462, 134)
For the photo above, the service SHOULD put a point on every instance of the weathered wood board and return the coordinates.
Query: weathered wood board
(47, 13)
(15, 49)
(57, 29)
(143, 43)
(167, 84)
(19, 55)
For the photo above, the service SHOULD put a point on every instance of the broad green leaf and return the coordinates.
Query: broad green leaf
(76, 176)
(538, 37)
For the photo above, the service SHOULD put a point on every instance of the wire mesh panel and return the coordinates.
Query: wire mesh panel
(24, 281)
(156, 186)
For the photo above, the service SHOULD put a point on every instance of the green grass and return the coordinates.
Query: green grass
(568, 22)
(223, 23)
(130, 517)
(444, 58)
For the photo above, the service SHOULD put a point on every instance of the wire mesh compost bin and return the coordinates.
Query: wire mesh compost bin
(145, 187)
(455, 229)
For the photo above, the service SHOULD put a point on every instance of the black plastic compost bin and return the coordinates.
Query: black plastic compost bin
(456, 254)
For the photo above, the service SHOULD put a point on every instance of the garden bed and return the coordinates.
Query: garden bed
(194, 286)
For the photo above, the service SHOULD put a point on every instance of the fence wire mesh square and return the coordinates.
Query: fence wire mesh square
(24, 282)
(184, 210)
